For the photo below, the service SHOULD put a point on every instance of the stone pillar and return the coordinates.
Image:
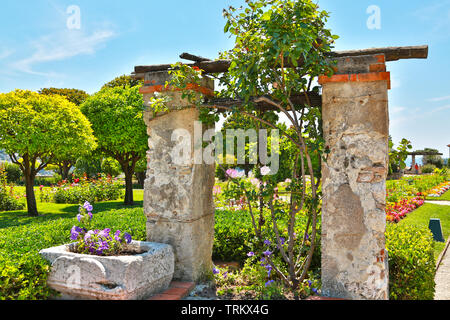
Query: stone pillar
(178, 199)
(356, 129)
(413, 162)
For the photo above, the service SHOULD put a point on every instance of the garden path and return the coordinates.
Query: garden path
(442, 277)
(443, 203)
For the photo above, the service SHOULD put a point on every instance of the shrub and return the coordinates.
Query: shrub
(24, 273)
(13, 172)
(411, 262)
(428, 168)
(8, 201)
(102, 189)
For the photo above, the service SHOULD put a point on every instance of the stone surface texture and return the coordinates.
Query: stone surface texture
(178, 200)
(127, 277)
(355, 125)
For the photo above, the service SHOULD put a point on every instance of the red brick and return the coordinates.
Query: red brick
(179, 284)
(379, 67)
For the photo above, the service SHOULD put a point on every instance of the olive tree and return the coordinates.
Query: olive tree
(116, 115)
(35, 129)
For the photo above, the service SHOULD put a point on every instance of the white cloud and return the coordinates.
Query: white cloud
(61, 46)
(4, 53)
(439, 99)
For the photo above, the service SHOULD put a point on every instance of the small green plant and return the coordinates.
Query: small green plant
(411, 262)
(428, 168)
(8, 201)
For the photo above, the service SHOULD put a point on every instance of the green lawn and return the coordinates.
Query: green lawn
(51, 211)
(421, 217)
(444, 197)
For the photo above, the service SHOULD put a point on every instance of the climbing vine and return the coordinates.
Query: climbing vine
(280, 48)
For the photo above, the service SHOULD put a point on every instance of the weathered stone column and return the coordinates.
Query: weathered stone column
(178, 198)
(356, 129)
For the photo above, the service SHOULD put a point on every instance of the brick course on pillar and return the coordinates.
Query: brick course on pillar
(178, 201)
(356, 130)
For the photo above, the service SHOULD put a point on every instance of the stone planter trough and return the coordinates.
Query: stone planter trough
(126, 277)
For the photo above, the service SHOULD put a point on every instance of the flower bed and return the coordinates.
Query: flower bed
(84, 189)
(405, 195)
(439, 190)
(395, 211)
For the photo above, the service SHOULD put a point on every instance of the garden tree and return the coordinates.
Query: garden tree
(65, 162)
(89, 165)
(435, 160)
(123, 81)
(75, 96)
(36, 128)
(140, 171)
(397, 157)
(110, 167)
(116, 115)
(281, 46)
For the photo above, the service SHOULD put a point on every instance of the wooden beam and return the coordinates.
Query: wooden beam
(192, 57)
(219, 66)
(391, 53)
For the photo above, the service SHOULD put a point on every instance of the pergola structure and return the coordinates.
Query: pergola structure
(178, 199)
(421, 153)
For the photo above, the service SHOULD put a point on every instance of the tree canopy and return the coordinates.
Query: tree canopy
(36, 128)
(116, 114)
(75, 96)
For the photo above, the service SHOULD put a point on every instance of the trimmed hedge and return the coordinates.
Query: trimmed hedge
(23, 273)
(411, 262)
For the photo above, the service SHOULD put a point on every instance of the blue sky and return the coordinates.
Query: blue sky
(37, 49)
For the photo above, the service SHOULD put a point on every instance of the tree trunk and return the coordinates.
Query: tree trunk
(140, 176)
(128, 187)
(31, 199)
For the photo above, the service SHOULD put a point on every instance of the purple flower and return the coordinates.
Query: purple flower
(105, 233)
(282, 240)
(268, 283)
(87, 206)
(127, 237)
(309, 283)
(215, 270)
(117, 236)
(79, 217)
(90, 215)
(88, 235)
(267, 242)
(251, 254)
(225, 275)
(75, 232)
(267, 253)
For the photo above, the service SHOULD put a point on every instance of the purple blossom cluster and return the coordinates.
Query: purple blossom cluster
(96, 242)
